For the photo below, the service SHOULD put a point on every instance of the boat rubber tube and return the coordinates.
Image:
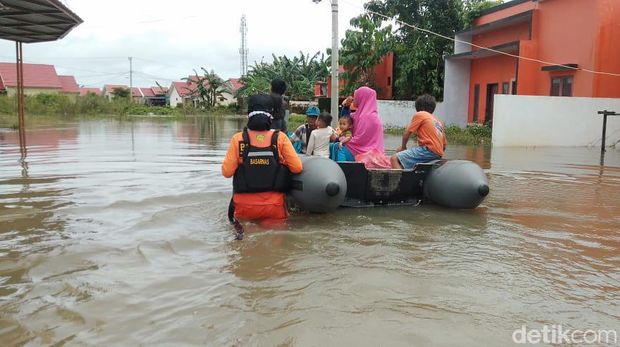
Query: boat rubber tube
(456, 184)
(321, 186)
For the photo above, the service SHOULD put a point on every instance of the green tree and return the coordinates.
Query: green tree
(472, 9)
(300, 74)
(419, 65)
(362, 49)
(120, 93)
(208, 87)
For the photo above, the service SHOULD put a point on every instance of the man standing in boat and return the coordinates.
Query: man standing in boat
(431, 136)
(281, 112)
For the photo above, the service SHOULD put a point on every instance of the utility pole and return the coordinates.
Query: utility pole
(335, 66)
(131, 79)
(243, 50)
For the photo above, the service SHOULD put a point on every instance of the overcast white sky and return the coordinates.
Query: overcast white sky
(170, 38)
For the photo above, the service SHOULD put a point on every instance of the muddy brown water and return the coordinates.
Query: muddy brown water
(113, 233)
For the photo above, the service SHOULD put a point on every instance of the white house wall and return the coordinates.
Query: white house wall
(461, 44)
(398, 113)
(175, 98)
(527, 121)
(456, 91)
(228, 99)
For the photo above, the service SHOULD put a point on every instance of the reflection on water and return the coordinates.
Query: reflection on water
(115, 234)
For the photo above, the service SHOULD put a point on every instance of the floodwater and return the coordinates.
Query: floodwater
(114, 233)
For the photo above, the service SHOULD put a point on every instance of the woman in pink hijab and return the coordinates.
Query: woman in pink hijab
(367, 126)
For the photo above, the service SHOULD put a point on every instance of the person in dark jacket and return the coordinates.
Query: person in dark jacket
(281, 111)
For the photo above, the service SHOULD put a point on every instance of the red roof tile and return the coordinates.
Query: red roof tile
(69, 85)
(159, 91)
(234, 84)
(147, 92)
(136, 93)
(35, 76)
(184, 88)
(84, 91)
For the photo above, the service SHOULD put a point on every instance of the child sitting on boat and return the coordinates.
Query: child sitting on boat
(345, 124)
(318, 144)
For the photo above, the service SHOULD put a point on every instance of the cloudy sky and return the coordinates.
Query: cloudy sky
(168, 39)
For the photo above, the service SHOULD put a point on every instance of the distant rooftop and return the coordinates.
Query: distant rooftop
(35, 75)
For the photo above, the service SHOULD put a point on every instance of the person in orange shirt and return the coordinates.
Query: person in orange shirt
(260, 161)
(431, 136)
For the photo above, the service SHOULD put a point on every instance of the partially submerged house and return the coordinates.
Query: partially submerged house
(560, 42)
(85, 91)
(229, 90)
(69, 86)
(184, 92)
(109, 90)
(38, 78)
(150, 96)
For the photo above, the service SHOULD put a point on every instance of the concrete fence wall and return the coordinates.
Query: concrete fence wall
(398, 113)
(527, 121)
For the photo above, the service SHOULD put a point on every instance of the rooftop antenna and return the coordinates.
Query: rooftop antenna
(243, 51)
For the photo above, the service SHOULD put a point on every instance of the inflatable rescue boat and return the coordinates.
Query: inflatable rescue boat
(324, 185)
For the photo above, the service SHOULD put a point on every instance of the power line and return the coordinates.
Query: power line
(147, 75)
(486, 48)
(111, 77)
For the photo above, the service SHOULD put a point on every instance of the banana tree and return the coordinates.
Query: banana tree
(207, 88)
(300, 74)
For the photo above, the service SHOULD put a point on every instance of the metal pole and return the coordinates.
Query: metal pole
(130, 79)
(20, 99)
(604, 132)
(335, 66)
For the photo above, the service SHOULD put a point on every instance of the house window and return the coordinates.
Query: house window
(389, 81)
(505, 87)
(561, 86)
(514, 87)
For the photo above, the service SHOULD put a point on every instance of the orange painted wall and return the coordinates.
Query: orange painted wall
(511, 11)
(487, 71)
(512, 33)
(583, 32)
(566, 34)
(529, 77)
(608, 44)
(382, 71)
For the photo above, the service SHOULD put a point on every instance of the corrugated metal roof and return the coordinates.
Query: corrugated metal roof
(31, 21)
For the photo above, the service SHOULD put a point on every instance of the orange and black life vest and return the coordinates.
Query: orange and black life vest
(260, 170)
